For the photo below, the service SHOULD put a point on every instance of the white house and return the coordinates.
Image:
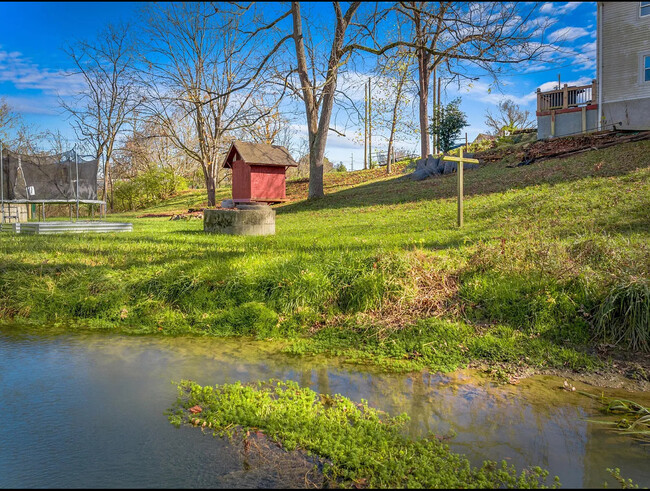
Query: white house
(623, 65)
(620, 96)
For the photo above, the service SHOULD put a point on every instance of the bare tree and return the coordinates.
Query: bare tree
(8, 119)
(318, 93)
(510, 117)
(395, 74)
(102, 109)
(459, 36)
(203, 69)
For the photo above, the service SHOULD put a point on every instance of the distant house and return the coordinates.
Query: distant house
(623, 65)
(620, 96)
(484, 137)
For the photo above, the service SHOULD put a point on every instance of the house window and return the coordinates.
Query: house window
(645, 8)
(646, 68)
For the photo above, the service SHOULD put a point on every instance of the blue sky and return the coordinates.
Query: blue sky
(33, 64)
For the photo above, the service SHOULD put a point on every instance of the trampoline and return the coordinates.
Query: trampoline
(66, 178)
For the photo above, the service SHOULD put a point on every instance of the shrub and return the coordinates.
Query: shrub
(146, 189)
(624, 315)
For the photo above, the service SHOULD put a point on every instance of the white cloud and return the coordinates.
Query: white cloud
(26, 75)
(567, 34)
(28, 105)
(481, 91)
(555, 8)
(551, 85)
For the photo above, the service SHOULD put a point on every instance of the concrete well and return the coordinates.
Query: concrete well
(245, 219)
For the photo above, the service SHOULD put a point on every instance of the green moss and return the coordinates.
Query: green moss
(359, 445)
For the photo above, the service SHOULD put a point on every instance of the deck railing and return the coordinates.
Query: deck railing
(567, 97)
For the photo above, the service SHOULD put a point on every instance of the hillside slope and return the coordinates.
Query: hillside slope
(375, 271)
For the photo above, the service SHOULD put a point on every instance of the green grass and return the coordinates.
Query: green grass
(376, 271)
(360, 446)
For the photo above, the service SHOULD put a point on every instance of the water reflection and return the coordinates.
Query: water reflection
(87, 410)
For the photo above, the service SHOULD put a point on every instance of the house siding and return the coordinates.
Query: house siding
(626, 36)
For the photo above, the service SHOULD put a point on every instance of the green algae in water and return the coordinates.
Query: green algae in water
(360, 445)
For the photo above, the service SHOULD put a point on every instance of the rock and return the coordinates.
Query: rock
(419, 175)
(432, 166)
(425, 168)
(451, 167)
(420, 164)
(227, 203)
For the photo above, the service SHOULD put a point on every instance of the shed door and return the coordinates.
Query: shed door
(241, 180)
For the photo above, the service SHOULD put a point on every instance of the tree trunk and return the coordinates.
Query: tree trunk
(423, 82)
(212, 200)
(316, 155)
(319, 126)
(400, 86)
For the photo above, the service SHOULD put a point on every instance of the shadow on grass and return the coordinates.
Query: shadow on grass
(494, 178)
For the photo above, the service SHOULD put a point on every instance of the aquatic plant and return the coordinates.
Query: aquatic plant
(358, 445)
(624, 483)
(635, 420)
(624, 315)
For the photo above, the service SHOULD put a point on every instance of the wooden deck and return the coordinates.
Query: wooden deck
(38, 228)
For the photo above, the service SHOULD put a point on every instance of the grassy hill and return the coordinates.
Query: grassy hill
(376, 271)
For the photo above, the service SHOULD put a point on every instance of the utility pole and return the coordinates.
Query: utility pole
(352, 162)
(2, 185)
(365, 131)
(76, 166)
(433, 119)
(438, 117)
(369, 124)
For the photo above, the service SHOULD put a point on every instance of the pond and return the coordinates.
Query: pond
(87, 410)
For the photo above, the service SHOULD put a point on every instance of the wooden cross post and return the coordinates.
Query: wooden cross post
(461, 162)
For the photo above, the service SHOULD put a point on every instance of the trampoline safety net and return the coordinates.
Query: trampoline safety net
(52, 177)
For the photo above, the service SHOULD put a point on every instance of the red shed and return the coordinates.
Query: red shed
(258, 171)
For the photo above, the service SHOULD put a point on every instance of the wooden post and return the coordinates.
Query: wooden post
(539, 99)
(460, 168)
(460, 189)
(565, 96)
(594, 91)
(552, 123)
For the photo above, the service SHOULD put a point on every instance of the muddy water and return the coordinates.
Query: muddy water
(87, 411)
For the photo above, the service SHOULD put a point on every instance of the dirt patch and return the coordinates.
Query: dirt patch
(434, 294)
(626, 371)
(559, 147)
(155, 215)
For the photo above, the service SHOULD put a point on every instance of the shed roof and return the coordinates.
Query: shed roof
(258, 154)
